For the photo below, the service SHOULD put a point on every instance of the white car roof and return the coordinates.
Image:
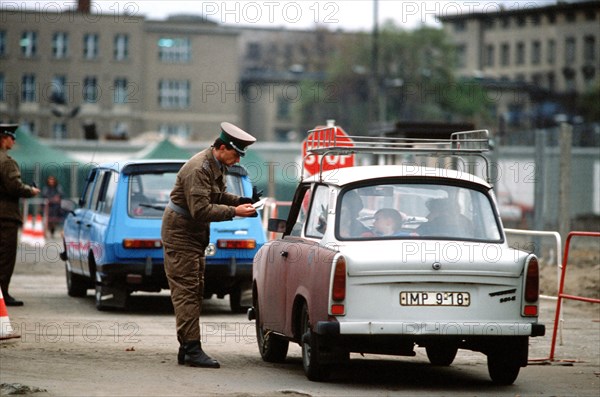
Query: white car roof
(344, 176)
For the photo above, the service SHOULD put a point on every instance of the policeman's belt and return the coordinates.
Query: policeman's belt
(180, 210)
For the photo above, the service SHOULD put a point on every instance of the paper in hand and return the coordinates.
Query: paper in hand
(260, 204)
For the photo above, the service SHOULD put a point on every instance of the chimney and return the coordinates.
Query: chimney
(84, 6)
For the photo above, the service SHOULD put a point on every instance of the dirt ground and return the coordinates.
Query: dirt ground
(68, 348)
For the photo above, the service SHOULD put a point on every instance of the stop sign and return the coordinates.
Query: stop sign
(324, 137)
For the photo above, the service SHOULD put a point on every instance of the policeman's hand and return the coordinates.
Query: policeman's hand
(245, 210)
(256, 195)
(35, 191)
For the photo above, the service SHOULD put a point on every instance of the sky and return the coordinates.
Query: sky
(348, 15)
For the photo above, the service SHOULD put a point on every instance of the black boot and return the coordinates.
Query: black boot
(10, 301)
(181, 355)
(194, 356)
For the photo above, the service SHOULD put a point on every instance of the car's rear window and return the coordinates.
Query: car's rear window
(416, 211)
(149, 194)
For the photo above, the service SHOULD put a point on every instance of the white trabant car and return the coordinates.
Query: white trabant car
(383, 259)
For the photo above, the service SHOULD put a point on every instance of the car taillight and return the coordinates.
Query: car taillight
(236, 244)
(131, 243)
(338, 288)
(532, 290)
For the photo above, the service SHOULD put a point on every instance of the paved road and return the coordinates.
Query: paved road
(68, 348)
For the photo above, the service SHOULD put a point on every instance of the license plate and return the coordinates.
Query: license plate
(422, 298)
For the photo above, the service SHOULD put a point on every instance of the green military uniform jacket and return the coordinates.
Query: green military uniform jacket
(11, 189)
(200, 190)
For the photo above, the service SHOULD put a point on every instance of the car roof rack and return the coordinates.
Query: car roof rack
(331, 140)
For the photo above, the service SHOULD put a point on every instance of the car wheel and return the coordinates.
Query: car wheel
(442, 355)
(272, 348)
(76, 284)
(311, 361)
(503, 367)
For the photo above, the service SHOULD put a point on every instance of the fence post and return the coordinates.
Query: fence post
(564, 190)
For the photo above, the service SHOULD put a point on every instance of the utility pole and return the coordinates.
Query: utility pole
(375, 112)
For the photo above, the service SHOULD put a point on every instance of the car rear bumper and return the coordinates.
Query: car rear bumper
(430, 329)
(228, 269)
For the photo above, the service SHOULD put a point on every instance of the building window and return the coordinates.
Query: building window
(551, 79)
(489, 55)
(174, 94)
(283, 109)
(535, 19)
(120, 91)
(28, 90)
(505, 22)
(58, 92)
(2, 42)
(177, 130)
(2, 89)
(120, 130)
(460, 26)
(551, 18)
(551, 54)
(59, 130)
(536, 52)
(521, 21)
(520, 55)
(569, 50)
(90, 46)
(253, 51)
(28, 44)
(461, 56)
(570, 17)
(505, 54)
(60, 45)
(174, 50)
(589, 49)
(121, 47)
(90, 89)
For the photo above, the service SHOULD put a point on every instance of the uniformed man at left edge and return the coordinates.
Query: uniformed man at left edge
(197, 199)
(12, 189)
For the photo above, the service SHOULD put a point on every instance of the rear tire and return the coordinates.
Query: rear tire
(314, 369)
(503, 367)
(76, 284)
(273, 348)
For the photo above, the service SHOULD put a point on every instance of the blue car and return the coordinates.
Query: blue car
(112, 239)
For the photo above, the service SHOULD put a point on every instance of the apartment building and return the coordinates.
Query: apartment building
(535, 54)
(76, 74)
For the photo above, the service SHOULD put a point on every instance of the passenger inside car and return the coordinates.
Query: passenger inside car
(445, 219)
(388, 222)
(350, 226)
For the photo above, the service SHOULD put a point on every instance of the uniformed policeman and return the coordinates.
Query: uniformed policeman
(197, 199)
(11, 189)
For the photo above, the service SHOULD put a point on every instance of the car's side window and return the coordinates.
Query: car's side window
(97, 190)
(89, 189)
(108, 188)
(302, 213)
(317, 217)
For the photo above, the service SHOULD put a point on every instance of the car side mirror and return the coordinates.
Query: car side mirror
(276, 225)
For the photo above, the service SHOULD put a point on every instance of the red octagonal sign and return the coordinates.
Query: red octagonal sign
(322, 137)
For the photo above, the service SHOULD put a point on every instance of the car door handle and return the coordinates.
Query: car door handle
(88, 225)
(284, 254)
(78, 222)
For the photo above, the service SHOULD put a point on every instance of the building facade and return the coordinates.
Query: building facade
(534, 60)
(76, 74)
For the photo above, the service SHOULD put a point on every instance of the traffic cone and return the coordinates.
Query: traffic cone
(6, 329)
(27, 231)
(39, 236)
